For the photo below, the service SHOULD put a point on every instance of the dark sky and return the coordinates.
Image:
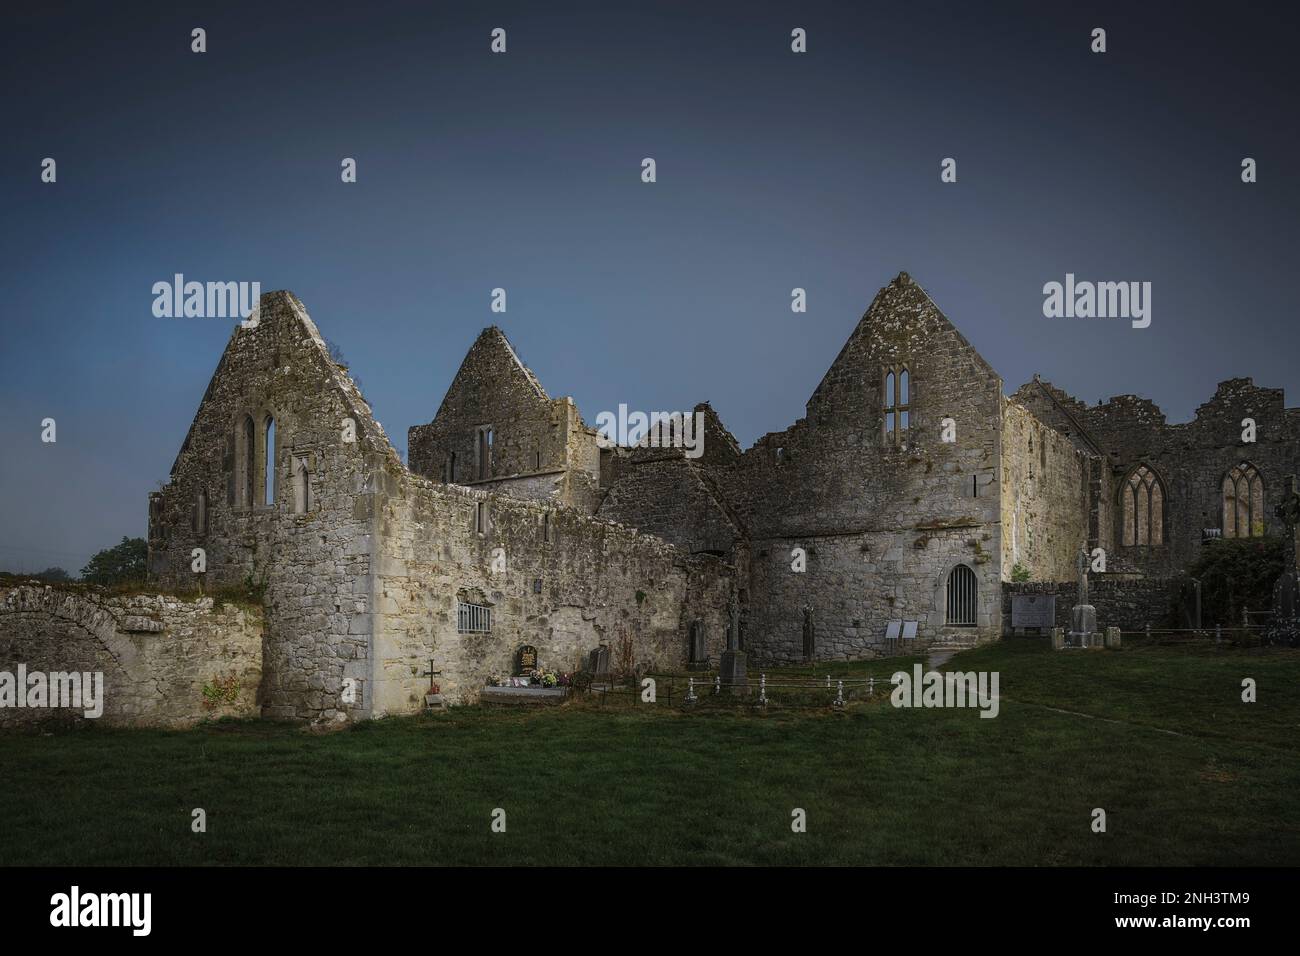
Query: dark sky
(522, 170)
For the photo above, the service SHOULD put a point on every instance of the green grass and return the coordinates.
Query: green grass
(646, 784)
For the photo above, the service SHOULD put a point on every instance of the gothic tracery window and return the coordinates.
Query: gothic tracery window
(1142, 508)
(1243, 502)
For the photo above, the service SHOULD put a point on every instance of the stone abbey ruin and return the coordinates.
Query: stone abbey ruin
(904, 510)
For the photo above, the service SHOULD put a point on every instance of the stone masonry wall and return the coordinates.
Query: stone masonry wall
(316, 565)
(1190, 460)
(570, 583)
(156, 653)
(1045, 497)
(362, 572)
(1129, 604)
(884, 523)
(532, 434)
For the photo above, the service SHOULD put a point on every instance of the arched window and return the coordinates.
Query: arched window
(200, 522)
(963, 589)
(301, 488)
(247, 456)
(897, 403)
(485, 441)
(268, 460)
(1142, 508)
(1243, 502)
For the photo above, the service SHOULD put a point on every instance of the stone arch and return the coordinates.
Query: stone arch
(49, 630)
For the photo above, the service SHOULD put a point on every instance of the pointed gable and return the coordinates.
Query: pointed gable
(490, 370)
(902, 327)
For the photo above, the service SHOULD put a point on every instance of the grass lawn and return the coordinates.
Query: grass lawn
(651, 784)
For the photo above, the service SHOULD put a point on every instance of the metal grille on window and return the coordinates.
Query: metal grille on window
(473, 618)
(963, 589)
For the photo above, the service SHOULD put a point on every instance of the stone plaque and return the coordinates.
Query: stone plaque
(1033, 610)
(527, 659)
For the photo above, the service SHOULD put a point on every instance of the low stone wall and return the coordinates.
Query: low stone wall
(1127, 604)
(156, 654)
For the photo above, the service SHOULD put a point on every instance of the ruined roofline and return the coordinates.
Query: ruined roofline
(539, 508)
(1117, 403)
(723, 431)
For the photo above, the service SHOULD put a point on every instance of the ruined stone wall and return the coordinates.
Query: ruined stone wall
(884, 523)
(670, 497)
(1129, 604)
(531, 433)
(1045, 497)
(570, 583)
(1190, 459)
(315, 566)
(156, 653)
(362, 575)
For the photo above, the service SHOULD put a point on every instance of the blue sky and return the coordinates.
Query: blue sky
(522, 171)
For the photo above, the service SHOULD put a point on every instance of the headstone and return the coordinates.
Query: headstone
(733, 627)
(1058, 638)
(526, 659)
(598, 661)
(1112, 638)
(1033, 610)
(732, 671)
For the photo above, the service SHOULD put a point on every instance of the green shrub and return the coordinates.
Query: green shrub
(1236, 573)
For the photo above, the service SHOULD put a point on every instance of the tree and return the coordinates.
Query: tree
(123, 564)
(53, 574)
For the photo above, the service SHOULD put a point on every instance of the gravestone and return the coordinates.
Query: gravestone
(525, 660)
(732, 672)
(1036, 611)
(598, 661)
